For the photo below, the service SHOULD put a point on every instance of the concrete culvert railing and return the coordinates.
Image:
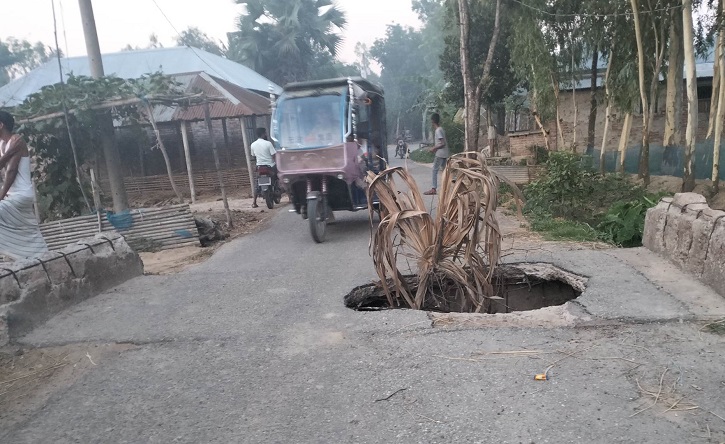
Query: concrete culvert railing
(685, 230)
(33, 290)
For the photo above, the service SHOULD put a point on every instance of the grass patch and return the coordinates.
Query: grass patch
(422, 156)
(716, 327)
(558, 229)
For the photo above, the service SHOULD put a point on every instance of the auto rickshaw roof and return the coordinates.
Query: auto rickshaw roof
(333, 84)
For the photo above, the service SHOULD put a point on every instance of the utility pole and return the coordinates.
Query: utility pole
(110, 151)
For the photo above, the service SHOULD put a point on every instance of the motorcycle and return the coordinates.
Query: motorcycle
(401, 150)
(268, 186)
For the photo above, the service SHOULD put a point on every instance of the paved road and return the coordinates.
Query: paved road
(255, 346)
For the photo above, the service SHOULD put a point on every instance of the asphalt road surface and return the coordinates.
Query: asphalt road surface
(255, 345)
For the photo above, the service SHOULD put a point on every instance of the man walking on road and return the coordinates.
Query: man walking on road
(441, 152)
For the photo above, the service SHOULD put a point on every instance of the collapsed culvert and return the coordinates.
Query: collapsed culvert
(517, 287)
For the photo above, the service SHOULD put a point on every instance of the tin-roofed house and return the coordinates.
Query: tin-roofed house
(241, 104)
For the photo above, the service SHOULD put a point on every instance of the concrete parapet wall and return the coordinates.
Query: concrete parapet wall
(34, 290)
(685, 230)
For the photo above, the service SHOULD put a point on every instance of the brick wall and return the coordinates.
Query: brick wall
(521, 142)
(657, 126)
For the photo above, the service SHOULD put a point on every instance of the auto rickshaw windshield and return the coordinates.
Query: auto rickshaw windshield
(310, 122)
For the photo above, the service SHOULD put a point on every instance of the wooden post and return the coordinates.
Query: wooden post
(207, 117)
(162, 147)
(226, 141)
(247, 154)
(187, 155)
(96, 199)
(142, 159)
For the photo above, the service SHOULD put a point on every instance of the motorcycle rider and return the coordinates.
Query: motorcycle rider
(402, 148)
(263, 153)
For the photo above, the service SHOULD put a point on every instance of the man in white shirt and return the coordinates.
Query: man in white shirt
(263, 153)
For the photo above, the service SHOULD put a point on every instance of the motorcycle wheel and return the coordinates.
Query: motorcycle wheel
(316, 209)
(269, 197)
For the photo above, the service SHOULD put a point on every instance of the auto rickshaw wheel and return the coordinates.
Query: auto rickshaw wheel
(316, 213)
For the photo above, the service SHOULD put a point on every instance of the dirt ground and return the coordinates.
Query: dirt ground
(245, 220)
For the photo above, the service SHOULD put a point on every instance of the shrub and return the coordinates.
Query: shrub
(455, 136)
(422, 156)
(569, 190)
(540, 154)
(570, 199)
(623, 224)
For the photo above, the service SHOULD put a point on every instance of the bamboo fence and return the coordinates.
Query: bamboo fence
(151, 228)
(204, 181)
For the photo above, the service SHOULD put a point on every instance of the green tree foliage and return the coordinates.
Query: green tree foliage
(18, 57)
(195, 38)
(327, 67)
(432, 13)
(59, 192)
(280, 39)
(482, 21)
(401, 53)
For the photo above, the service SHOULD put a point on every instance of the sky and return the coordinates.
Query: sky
(132, 21)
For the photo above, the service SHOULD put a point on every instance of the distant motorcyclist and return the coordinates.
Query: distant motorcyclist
(263, 153)
(401, 148)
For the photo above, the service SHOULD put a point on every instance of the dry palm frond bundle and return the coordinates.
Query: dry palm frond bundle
(454, 251)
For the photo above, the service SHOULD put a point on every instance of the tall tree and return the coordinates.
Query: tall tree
(18, 57)
(675, 67)
(688, 178)
(194, 37)
(715, 96)
(653, 51)
(279, 38)
(547, 54)
(399, 53)
(534, 63)
(475, 90)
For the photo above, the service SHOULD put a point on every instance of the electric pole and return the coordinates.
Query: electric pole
(108, 142)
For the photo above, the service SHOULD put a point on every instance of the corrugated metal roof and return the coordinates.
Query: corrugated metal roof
(134, 64)
(704, 70)
(236, 102)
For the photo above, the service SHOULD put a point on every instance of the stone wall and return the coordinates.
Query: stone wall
(685, 230)
(34, 290)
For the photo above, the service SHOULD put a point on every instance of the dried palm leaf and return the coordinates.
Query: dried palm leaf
(455, 251)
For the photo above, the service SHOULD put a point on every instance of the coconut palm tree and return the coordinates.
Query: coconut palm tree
(280, 38)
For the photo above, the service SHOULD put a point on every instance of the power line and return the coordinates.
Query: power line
(181, 41)
(62, 22)
(616, 14)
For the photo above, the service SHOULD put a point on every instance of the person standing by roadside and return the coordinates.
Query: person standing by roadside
(440, 148)
(20, 235)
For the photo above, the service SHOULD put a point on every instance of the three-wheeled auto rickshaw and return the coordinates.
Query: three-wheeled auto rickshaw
(329, 134)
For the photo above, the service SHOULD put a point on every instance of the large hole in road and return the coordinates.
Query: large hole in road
(521, 287)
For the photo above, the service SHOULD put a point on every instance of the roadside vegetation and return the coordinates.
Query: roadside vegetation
(573, 202)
